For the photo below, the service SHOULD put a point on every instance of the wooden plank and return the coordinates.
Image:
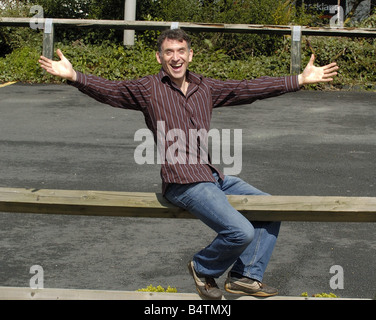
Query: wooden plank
(197, 27)
(18, 293)
(154, 205)
(306, 208)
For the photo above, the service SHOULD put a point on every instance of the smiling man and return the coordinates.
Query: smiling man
(183, 100)
(174, 55)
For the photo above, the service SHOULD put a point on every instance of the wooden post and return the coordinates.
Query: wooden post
(48, 39)
(296, 44)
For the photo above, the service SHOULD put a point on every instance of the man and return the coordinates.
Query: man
(183, 100)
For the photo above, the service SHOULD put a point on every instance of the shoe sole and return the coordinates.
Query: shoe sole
(255, 294)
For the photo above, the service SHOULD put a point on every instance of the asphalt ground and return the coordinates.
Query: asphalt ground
(304, 143)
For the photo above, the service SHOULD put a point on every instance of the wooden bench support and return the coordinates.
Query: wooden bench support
(153, 205)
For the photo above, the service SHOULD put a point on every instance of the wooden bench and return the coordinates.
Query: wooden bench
(153, 205)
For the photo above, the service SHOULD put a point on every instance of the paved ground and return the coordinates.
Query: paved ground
(306, 143)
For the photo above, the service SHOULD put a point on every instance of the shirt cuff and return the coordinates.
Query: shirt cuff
(81, 81)
(292, 83)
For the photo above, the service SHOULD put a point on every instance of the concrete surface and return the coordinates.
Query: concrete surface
(305, 143)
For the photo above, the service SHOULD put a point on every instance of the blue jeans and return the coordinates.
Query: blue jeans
(245, 246)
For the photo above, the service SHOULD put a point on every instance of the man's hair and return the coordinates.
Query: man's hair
(173, 34)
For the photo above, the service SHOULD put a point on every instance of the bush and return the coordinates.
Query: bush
(356, 59)
(12, 38)
(223, 56)
(237, 46)
(21, 65)
(114, 62)
(217, 64)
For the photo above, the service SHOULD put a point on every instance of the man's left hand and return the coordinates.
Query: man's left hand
(312, 74)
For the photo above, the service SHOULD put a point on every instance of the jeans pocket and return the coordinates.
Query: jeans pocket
(175, 192)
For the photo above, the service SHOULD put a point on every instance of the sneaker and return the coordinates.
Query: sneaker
(236, 283)
(205, 286)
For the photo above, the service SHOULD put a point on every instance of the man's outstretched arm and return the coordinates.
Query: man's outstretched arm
(312, 74)
(62, 68)
(119, 94)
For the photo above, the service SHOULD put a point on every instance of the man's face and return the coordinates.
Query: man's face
(174, 58)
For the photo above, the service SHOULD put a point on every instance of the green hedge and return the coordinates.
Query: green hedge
(356, 60)
(218, 55)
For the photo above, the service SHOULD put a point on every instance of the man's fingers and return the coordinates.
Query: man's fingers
(330, 67)
(329, 71)
(45, 64)
(331, 74)
(333, 64)
(60, 54)
(44, 59)
(312, 59)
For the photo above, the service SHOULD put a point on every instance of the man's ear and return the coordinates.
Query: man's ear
(190, 55)
(158, 57)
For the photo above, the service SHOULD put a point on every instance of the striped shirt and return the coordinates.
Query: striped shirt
(162, 102)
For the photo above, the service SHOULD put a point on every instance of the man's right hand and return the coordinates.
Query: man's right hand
(62, 68)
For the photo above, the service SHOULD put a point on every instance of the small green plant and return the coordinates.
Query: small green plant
(151, 288)
(320, 295)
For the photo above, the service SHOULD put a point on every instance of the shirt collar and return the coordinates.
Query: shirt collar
(191, 77)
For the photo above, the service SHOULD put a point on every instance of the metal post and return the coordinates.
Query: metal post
(296, 37)
(129, 15)
(48, 39)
